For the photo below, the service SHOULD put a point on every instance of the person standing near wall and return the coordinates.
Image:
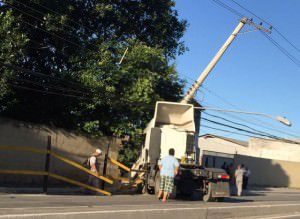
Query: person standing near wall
(224, 166)
(168, 166)
(247, 173)
(94, 167)
(230, 172)
(239, 173)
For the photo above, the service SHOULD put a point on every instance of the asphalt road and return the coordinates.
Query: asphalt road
(267, 203)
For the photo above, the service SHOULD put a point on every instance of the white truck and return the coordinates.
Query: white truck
(173, 126)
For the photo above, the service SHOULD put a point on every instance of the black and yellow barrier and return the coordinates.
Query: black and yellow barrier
(122, 166)
(55, 176)
(45, 173)
(74, 164)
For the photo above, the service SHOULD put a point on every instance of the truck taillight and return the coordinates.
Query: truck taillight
(223, 176)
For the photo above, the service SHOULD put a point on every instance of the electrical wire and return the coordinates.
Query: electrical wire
(72, 20)
(67, 82)
(236, 123)
(42, 29)
(275, 29)
(227, 7)
(239, 129)
(227, 131)
(251, 132)
(45, 92)
(41, 13)
(257, 122)
(45, 85)
(254, 123)
(276, 44)
(283, 50)
(266, 124)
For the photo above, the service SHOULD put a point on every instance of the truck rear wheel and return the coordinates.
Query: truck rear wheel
(221, 199)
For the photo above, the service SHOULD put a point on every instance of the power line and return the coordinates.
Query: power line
(285, 38)
(255, 123)
(45, 92)
(276, 44)
(266, 124)
(227, 131)
(237, 128)
(85, 92)
(237, 117)
(72, 20)
(283, 50)
(46, 31)
(227, 7)
(45, 85)
(236, 123)
(41, 13)
(251, 132)
(67, 82)
(42, 29)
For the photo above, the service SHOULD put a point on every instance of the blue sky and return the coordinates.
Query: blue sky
(253, 75)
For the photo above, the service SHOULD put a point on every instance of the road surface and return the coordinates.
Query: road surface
(266, 203)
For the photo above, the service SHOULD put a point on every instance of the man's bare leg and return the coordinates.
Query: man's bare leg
(165, 197)
(159, 194)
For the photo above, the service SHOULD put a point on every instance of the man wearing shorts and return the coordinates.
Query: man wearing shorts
(168, 169)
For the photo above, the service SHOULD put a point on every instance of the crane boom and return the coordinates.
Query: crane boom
(191, 92)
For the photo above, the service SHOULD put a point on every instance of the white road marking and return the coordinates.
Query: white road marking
(142, 210)
(282, 216)
(94, 206)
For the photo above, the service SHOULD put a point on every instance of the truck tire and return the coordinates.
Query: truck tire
(221, 199)
(207, 197)
(174, 193)
(140, 188)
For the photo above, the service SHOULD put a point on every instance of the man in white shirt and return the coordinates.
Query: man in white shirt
(94, 167)
(239, 174)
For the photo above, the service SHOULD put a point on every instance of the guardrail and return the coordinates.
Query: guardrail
(47, 173)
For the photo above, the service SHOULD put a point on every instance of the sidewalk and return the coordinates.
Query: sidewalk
(39, 190)
(59, 191)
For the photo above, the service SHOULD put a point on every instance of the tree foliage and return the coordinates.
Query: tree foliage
(59, 62)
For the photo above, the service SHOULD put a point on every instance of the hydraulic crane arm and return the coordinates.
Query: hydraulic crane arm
(191, 92)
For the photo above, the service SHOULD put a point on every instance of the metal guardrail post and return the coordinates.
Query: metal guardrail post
(105, 165)
(47, 165)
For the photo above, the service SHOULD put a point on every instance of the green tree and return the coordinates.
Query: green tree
(60, 62)
(11, 49)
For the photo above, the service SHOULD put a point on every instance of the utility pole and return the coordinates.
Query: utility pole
(191, 92)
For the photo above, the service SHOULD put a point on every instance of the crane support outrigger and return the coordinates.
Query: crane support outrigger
(176, 125)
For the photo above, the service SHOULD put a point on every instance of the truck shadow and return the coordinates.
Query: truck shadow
(197, 196)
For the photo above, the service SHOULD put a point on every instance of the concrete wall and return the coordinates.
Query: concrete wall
(270, 172)
(272, 163)
(222, 146)
(271, 149)
(70, 145)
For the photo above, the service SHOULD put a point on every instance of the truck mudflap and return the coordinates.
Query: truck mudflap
(220, 189)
